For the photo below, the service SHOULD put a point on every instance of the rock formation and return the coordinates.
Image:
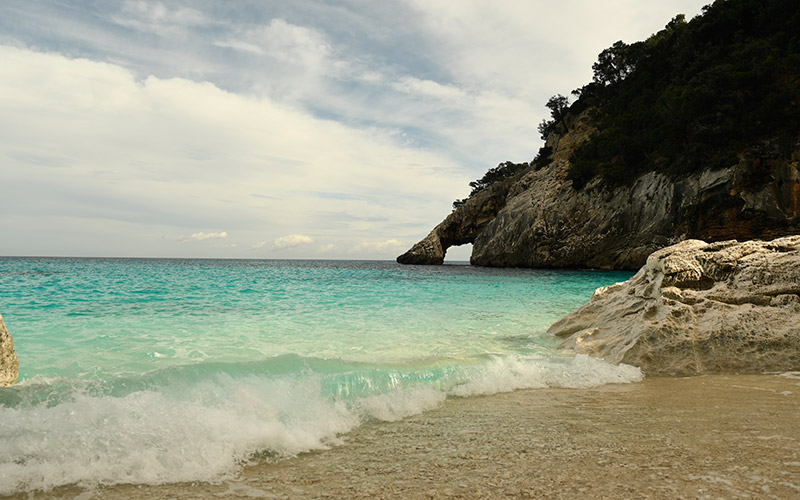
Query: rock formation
(461, 226)
(697, 307)
(8, 357)
(537, 219)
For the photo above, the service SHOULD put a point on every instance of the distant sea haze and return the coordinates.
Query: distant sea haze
(157, 371)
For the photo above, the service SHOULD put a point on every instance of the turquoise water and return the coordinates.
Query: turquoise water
(152, 371)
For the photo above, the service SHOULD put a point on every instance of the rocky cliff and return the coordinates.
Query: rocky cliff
(696, 308)
(8, 357)
(537, 218)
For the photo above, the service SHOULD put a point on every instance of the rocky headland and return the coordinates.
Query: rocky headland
(698, 307)
(689, 134)
(538, 219)
(9, 369)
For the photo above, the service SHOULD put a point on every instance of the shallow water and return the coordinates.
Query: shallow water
(155, 371)
(708, 437)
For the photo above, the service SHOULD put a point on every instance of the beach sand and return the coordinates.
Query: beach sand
(706, 437)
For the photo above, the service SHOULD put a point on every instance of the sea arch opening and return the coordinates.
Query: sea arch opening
(458, 253)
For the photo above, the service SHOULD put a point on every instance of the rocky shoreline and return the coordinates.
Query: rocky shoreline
(9, 366)
(698, 308)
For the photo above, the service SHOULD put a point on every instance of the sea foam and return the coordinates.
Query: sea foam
(208, 427)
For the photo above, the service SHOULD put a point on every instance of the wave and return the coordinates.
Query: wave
(207, 420)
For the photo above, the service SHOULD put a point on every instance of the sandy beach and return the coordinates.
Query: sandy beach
(703, 437)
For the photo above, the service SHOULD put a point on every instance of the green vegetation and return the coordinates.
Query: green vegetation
(688, 98)
(498, 173)
(559, 106)
(692, 95)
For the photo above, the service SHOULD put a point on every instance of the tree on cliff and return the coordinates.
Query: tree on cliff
(559, 106)
(689, 97)
(693, 94)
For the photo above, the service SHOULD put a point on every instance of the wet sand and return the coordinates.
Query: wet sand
(705, 437)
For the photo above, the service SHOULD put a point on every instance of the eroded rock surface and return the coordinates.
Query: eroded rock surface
(9, 370)
(461, 226)
(537, 219)
(696, 308)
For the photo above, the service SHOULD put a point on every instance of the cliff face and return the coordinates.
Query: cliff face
(537, 219)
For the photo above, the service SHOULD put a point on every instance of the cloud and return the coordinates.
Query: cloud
(354, 122)
(87, 140)
(157, 18)
(209, 236)
(204, 236)
(374, 247)
(258, 244)
(525, 48)
(429, 88)
(330, 247)
(282, 40)
(292, 240)
(298, 58)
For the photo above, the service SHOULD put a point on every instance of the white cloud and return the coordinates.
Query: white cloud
(155, 17)
(330, 247)
(534, 49)
(292, 240)
(204, 236)
(429, 88)
(297, 58)
(209, 236)
(352, 123)
(375, 247)
(258, 244)
(282, 40)
(86, 140)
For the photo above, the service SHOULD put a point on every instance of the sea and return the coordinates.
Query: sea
(152, 371)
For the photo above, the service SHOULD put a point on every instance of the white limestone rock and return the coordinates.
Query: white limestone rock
(696, 308)
(9, 369)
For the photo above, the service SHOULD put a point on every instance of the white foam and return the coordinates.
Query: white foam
(401, 403)
(510, 373)
(208, 430)
(146, 437)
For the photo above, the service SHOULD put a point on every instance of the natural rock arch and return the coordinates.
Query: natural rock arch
(460, 227)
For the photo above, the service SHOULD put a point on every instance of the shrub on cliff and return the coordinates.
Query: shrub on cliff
(498, 173)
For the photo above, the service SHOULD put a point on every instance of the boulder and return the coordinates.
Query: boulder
(9, 370)
(695, 308)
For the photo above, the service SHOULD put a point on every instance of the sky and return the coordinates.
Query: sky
(269, 129)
